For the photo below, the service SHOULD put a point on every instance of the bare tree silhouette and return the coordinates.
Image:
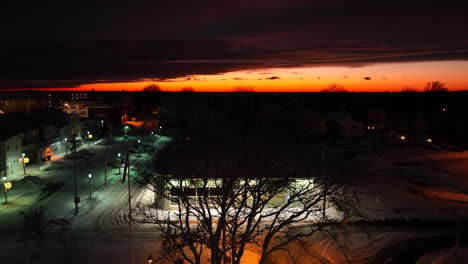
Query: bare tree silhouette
(243, 89)
(408, 90)
(227, 204)
(152, 88)
(187, 89)
(435, 86)
(334, 88)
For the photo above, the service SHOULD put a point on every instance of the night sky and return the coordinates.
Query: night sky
(214, 45)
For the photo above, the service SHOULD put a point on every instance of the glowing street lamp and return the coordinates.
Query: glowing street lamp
(6, 186)
(126, 129)
(403, 138)
(118, 161)
(139, 148)
(89, 137)
(25, 160)
(429, 140)
(89, 184)
(66, 147)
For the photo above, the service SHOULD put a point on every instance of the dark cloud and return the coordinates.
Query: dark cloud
(273, 78)
(63, 45)
(239, 79)
(367, 78)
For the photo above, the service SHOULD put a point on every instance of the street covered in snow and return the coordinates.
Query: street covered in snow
(408, 199)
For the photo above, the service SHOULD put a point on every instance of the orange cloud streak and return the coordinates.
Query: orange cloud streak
(382, 77)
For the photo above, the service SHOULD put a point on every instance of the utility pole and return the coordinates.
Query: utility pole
(325, 185)
(77, 199)
(129, 209)
(105, 166)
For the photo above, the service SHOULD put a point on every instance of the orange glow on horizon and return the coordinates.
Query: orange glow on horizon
(383, 77)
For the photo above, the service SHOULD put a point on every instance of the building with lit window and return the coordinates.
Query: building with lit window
(10, 154)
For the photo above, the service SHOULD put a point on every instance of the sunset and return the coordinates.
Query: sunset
(234, 132)
(385, 77)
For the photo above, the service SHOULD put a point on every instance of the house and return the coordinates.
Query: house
(10, 154)
(341, 125)
(42, 134)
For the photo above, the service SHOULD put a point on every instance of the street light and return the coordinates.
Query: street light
(24, 162)
(150, 259)
(89, 184)
(66, 147)
(6, 186)
(4, 189)
(118, 161)
(139, 148)
(126, 129)
(89, 137)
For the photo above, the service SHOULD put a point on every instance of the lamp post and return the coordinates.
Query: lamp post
(77, 198)
(139, 148)
(89, 137)
(4, 189)
(89, 184)
(150, 259)
(126, 129)
(66, 147)
(118, 161)
(24, 163)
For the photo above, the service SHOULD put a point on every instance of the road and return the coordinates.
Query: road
(102, 220)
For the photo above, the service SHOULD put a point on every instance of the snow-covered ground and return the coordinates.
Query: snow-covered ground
(399, 183)
(52, 186)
